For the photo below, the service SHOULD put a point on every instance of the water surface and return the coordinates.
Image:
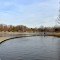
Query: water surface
(31, 48)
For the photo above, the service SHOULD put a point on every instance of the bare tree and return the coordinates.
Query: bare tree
(58, 18)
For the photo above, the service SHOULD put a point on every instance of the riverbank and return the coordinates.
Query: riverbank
(56, 34)
(4, 36)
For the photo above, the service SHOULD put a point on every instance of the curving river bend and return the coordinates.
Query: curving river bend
(31, 48)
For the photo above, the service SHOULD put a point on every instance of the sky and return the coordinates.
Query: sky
(31, 13)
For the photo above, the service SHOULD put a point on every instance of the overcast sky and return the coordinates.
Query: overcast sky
(32, 13)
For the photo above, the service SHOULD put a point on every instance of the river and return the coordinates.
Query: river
(31, 48)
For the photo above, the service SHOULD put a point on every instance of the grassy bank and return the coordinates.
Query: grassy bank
(3, 38)
(56, 34)
(9, 35)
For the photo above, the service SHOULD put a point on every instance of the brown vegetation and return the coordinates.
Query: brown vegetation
(21, 28)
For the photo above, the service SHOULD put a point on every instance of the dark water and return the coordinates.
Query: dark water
(31, 48)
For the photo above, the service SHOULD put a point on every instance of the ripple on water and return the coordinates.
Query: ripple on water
(31, 48)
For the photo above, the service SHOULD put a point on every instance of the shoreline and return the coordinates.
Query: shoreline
(3, 39)
(12, 35)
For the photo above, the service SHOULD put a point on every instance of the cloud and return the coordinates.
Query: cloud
(31, 13)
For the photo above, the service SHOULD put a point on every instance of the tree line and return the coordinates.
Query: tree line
(22, 28)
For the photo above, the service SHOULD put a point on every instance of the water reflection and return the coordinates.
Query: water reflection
(31, 48)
